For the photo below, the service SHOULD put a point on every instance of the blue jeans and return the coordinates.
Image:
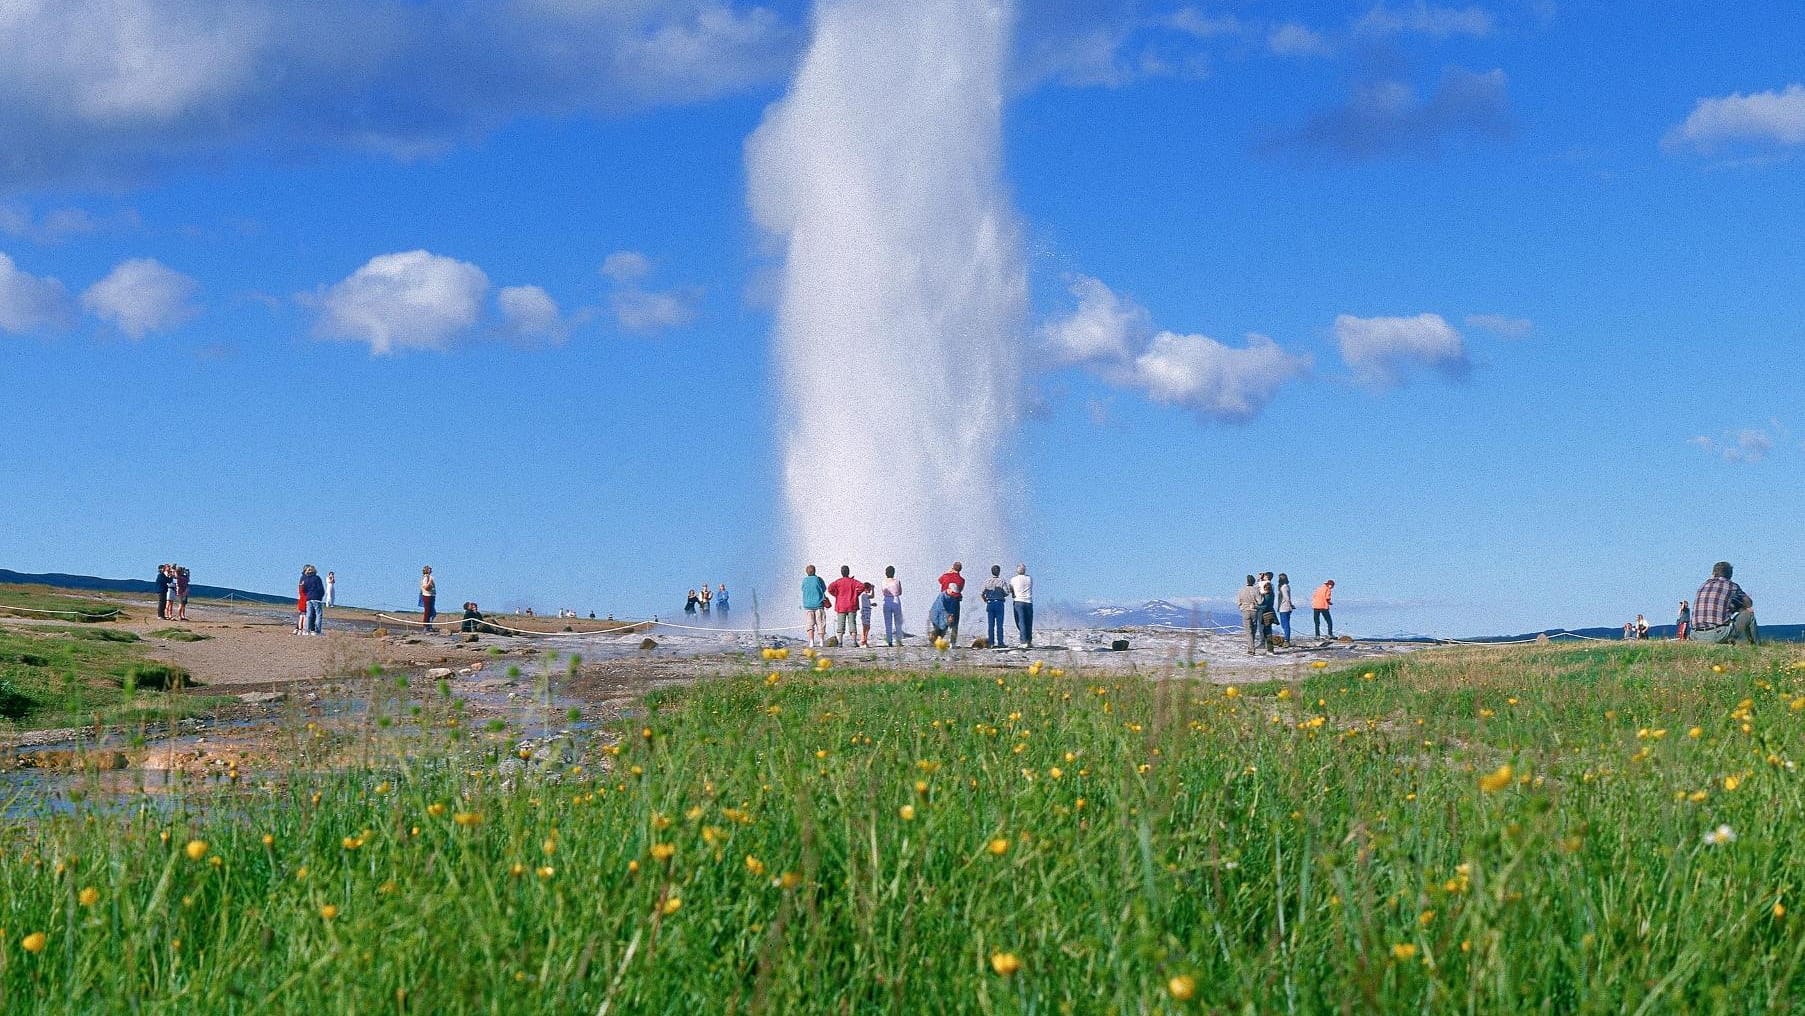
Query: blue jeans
(993, 622)
(893, 629)
(1285, 623)
(1024, 622)
(316, 612)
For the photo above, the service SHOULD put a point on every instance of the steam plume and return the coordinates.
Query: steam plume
(903, 288)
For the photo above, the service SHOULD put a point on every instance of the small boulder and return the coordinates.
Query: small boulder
(1119, 645)
(439, 673)
(833, 642)
(980, 643)
(261, 697)
(648, 644)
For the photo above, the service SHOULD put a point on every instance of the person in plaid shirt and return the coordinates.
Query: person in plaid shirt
(1722, 612)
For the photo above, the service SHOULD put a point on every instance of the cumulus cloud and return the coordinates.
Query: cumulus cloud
(1383, 350)
(1293, 39)
(1498, 324)
(30, 303)
(1758, 119)
(637, 308)
(1388, 117)
(1105, 327)
(1426, 19)
(142, 296)
(528, 313)
(1214, 380)
(103, 89)
(409, 300)
(1751, 444)
(1115, 338)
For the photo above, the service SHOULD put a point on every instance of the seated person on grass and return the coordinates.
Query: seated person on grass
(1722, 612)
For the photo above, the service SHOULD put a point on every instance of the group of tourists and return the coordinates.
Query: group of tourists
(1721, 612)
(705, 602)
(852, 600)
(1265, 601)
(172, 592)
(313, 596)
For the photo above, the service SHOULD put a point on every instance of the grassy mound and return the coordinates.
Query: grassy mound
(179, 635)
(1591, 830)
(68, 675)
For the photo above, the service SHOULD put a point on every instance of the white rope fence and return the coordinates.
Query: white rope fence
(457, 623)
(65, 613)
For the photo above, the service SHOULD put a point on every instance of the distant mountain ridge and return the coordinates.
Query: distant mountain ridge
(1154, 614)
(147, 586)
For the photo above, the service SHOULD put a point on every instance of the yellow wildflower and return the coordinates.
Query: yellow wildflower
(1182, 987)
(196, 849)
(998, 847)
(328, 912)
(88, 896)
(1403, 951)
(1005, 964)
(907, 812)
(34, 942)
(1497, 780)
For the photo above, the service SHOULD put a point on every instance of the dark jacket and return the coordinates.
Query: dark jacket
(314, 587)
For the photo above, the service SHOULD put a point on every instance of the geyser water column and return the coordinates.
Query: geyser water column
(903, 290)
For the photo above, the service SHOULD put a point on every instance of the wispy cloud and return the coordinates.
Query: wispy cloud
(1388, 117)
(58, 225)
(1426, 19)
(1383, 351)
(1774, 119)
(109, 89)
(1498, 324)
(29, 303)
(1115, 338)
(141, 296)
(1293, 39)
(529, 314)
(1751, 444)
(409, 300)
(638, 308)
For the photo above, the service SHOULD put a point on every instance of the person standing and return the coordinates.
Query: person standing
(429, 597)
(995, 591)
(720, 600)
(1021, 590)
(952, 590)
(845, 591)
(164, 580)
(315, 590)
(1285, 606)
(331, 589)
(690, 605)
(1722, 612)
(1248, 602)
(814, 604)
(865, 595)
(1320, 602)
(893, 626)
(1267, 617)
(301, 603)
(181, 592)
(1682, 628)
(1641, 627)
(706, 597)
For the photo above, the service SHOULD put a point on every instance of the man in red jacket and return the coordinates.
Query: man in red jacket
(952, 587)
(845, 592)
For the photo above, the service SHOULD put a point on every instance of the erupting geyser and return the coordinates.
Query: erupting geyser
(903, 288)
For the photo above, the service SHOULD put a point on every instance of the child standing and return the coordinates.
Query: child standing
(865, 593)
(1683, 627)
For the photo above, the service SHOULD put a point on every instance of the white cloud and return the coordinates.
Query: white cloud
(529, 313)
(1115, 338)
(103, 89)
(1751, 444)
(1214, 380)
(1758, 118)
(409, 300)
(141, 296)
(1192, 21)
(29, 303)
(1293, 39)
(60, 224)
(1381, 350)
(1104, 327)
(1498, 324)
(1426, 19)
(639, 309)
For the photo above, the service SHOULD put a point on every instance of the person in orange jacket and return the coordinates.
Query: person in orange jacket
(1320, 602)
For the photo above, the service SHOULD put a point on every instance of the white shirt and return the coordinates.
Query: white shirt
(1022, 588)
(330, 584)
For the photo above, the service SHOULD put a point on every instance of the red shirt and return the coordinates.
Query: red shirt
(845, 591)
(301, 590)
(952, 584)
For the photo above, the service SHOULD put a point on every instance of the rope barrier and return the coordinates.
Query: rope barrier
(635, 626)
(66, 613)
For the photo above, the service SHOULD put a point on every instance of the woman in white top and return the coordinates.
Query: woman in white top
(331, 587)
(1283, 606)
(429, 593)
(1021, 590)
(893, 630)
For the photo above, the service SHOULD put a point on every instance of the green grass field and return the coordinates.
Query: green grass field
(48, 604)
(1549, 830)
(77, 675)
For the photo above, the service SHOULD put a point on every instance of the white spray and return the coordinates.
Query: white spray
(903, 288)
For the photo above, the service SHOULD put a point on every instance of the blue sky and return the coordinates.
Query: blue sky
(1532, 275)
